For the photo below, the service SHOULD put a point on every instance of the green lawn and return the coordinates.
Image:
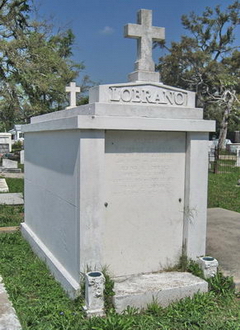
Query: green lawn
(12, 215)
(223, 191)
(15, 185)
(41, 304)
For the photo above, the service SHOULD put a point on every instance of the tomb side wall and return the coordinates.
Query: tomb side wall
(52, 194)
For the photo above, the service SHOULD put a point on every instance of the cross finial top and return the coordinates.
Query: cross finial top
(145, 34)
(73, 90)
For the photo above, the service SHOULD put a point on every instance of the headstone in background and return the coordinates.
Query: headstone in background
(8, 163)
(5, 143)
(3, 186)
(22, 157)
(72, 90)
(238, 157)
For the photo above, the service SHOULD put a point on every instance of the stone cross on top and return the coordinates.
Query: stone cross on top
(145, 34)
(73, 90)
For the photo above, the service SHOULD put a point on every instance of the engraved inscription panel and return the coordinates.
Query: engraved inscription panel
(144, 184)
(148, 95)
(145, 173)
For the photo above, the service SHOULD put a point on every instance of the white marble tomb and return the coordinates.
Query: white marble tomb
(119, 182)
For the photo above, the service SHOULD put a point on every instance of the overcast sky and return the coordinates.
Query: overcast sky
(98, 27)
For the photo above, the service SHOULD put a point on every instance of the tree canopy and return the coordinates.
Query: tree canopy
(35, 65)
(206, 61)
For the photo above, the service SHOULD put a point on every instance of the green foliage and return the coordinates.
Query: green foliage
(223, 191)
(35, 64)
(15, 185)
(108, 290)
(11, 215)
(221, 284)
(41, 303)
(194, 268)
(16, 146)
(39, 299)
(207, 62)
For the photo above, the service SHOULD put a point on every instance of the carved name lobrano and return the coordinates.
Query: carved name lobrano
(151, 95)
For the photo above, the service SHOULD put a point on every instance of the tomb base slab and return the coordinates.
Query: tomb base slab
(164, 288)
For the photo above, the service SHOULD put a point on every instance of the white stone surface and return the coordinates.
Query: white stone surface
(73, 90)
(94, 293)
(11, 199)
(120, 182)
(61, 274)
(122, 123)
(120, 175)
(16, 133)
(118, 110)
(22, 157)
(54, 181)
(145, 34)
(163, 288)
(195, 208)
(8, 317)
(238, 157)
(5, 142)
(209, 266)
(143, 182)
(3, 186)
(8, 163)
(142, 93)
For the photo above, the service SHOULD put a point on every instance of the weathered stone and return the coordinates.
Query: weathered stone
(3, 186)
(145, 34)
(94, 293)
(11, 199)
(22, 157)
(238, 157)
(209, 266)
(164, 288)
(5, 143)
(8, 163)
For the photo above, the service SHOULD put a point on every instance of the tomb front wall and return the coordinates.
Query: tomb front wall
(125, 191)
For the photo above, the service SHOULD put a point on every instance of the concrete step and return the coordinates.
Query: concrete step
(163, 288)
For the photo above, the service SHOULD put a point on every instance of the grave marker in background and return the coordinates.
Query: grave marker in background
(73, 90)
(8, 163)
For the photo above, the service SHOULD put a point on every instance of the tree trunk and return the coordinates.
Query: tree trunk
(223, 132)
(224, 126)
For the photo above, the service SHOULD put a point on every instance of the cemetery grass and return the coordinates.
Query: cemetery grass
(223, 191)
(41, 304)
(12, 215)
